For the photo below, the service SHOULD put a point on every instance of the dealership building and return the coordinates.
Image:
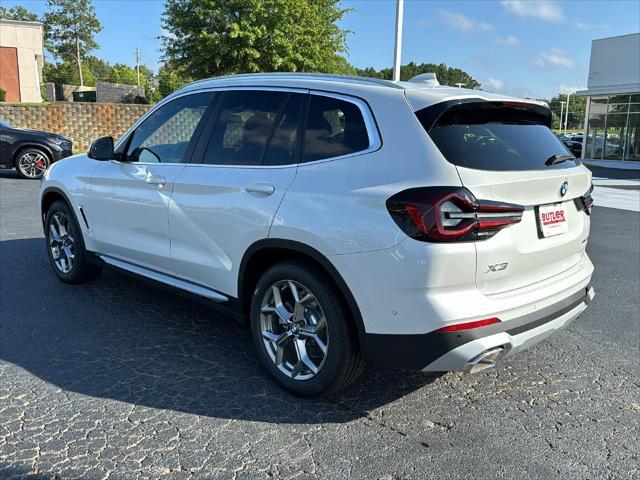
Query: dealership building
(21, 60)
(612, 122)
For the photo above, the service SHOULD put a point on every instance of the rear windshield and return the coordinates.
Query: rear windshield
(495, 136)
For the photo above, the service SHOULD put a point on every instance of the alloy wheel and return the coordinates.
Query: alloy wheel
(294, 329)
(61, 242)
(33, 164)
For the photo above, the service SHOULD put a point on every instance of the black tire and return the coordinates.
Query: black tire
(80, 268)
(37, 155)
(343, 362)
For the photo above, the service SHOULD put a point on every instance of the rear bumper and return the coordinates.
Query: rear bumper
(466, 350)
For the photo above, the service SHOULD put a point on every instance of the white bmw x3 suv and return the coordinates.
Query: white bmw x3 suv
(346, 219)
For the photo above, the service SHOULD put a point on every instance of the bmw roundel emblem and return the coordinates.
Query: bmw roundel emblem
(564, 188)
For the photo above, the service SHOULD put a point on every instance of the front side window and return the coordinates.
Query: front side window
(334, 128)
(163, 137)
(255, 127)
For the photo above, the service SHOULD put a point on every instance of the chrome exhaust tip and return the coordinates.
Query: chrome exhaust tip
(486, 359)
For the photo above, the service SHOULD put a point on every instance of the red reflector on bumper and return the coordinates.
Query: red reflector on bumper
(469, 325)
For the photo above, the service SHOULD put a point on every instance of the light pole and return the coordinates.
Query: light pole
(566, 114)
(398, 49)
(560, 119)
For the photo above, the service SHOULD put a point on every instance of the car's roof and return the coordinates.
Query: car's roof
(419, 94)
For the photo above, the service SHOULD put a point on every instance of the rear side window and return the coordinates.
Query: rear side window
(255, 128)
(334, 128)
(496, 136)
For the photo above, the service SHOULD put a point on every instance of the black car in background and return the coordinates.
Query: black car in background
(30, 152)
(574, 147)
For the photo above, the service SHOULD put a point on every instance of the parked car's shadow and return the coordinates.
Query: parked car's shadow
(121, 339)
(8, 173)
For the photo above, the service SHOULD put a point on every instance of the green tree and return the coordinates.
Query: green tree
(209, 38)
(70, 26)
(577, 108)
(67, 73)
(100, 69)
(170, 78)
(18, 13)
(446, 75)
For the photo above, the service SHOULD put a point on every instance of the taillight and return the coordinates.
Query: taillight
(450, 214)
(585, 202)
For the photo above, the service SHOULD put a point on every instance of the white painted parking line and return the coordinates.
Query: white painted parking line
(617, 198)
(620, 183)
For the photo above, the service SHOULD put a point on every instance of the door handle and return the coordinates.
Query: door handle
(158, 180)
(261, 188)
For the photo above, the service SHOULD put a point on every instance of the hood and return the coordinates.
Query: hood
(40, 133)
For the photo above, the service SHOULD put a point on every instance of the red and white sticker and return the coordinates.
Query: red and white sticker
(553, 220)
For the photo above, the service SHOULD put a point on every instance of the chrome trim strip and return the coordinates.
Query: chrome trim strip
(375, 141)
(166, 279)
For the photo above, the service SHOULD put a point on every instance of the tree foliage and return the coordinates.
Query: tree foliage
(577, 107)
(70, 27)
(207, 38)
(121, 73)
(446, 75)
(18, 13)
(170, 78)
(67, 73)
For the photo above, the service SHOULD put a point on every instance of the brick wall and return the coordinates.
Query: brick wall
(81, 121)
(9, 77)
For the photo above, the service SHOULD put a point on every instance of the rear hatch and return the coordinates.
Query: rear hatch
(504, 151)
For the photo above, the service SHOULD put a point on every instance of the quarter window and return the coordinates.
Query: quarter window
(255, 128)
(163, 137)
(334, 128)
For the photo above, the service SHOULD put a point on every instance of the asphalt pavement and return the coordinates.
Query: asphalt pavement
(119, 380)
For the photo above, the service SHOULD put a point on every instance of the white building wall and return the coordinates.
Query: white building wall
(615, 65)
(26, 37)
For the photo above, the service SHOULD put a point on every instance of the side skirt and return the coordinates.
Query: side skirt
(207, 297)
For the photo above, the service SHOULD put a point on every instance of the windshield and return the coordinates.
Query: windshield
(4, 124)
(487, 136)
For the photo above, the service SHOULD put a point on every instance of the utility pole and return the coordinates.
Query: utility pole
(138, 64)
(561, 113)
(566, 114)
(460, 84)
(398, 49)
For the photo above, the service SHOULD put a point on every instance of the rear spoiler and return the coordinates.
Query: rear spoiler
(469, 107)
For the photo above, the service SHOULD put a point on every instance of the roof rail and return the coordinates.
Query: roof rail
(305, 75)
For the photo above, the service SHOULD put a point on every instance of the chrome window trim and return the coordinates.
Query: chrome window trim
(375, 141)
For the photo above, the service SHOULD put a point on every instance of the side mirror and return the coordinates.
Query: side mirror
(101, 149)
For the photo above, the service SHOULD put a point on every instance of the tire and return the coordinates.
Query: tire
(320, 312)
(31, 163)
(65, 246)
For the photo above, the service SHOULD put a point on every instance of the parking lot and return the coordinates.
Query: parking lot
(117, 379)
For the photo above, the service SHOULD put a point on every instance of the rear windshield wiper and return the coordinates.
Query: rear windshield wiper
(558, 158)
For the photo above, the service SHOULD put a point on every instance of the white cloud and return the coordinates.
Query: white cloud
(546, 10)
(538, 62)
(464, 24)
(554, 56)
(509, 41)
(493, 84)
(582, 25)
(569, 89)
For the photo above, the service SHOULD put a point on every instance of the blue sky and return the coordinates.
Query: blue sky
(524, 48)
